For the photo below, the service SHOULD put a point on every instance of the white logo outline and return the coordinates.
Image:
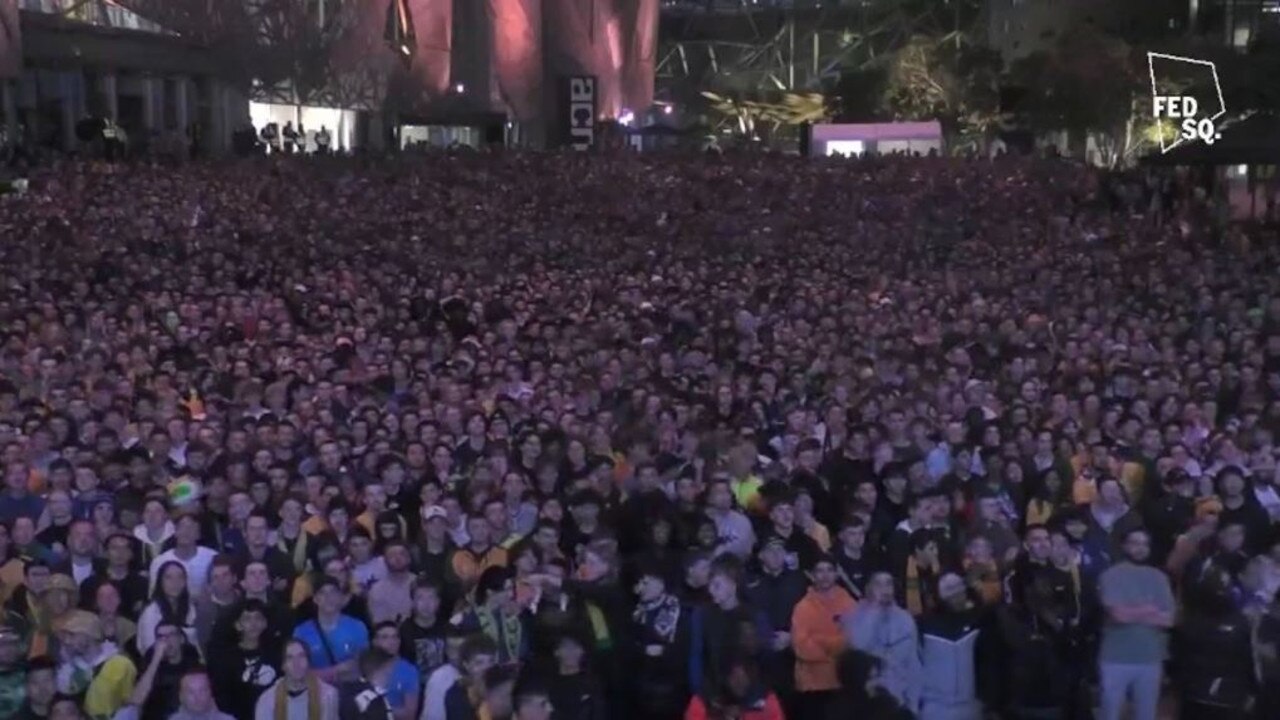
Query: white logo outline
(1213, 67)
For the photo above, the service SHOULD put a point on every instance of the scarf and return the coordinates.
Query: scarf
(75, 675)
(661, 615)
(920, 599)
(505, 630)
(985, 579)
(599, 627)
(299, 552)
(313, 699)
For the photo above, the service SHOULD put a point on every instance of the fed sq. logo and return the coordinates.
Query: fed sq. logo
(1194, 108)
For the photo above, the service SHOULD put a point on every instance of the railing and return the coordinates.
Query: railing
(727, 6)
(101, 13)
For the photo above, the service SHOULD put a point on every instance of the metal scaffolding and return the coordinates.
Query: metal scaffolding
(753, 46)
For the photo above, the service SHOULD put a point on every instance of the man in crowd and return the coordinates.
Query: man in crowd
(581, 377)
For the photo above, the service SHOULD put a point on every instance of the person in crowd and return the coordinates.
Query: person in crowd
(740, 694)
(948, 655)
(576, 691)
(298, 694)
(196, 701)
(170, 603)
(166, 663)
(12, 672)
(39, 689)
(367, 696)
(333, 639)
(403, 682)
(1216, 674)
(194, 558)
(288, 393)
(862, 694)
(531, 700)
(1139, 605)
(441, 680)
(659, 636)
(776, 590)
(817, 638)
(881, 628)
(245, 668)
(477, 655)
(92, 668)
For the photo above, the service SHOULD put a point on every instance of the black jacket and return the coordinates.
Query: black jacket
(360, 701)
(578, 697)
(1213, 657)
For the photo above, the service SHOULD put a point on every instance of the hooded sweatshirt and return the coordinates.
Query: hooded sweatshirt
(889, 633)
(817, 637)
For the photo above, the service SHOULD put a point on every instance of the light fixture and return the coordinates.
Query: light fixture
(626, 118)
(459, 88)
(668, 110)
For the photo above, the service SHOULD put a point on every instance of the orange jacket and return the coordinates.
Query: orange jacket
(817, 638)
(467, 566)
(772, 710)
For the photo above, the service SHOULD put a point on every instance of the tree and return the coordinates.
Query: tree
(762, 119)
(298, 52)
(1088, 84)
(956, 84)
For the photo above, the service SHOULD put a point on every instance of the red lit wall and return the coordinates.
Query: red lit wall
(614, 40)
(433, 27)
(584, 37)
(641, 22)
(517, 55)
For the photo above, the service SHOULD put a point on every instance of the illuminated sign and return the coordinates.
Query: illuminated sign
(582, 112)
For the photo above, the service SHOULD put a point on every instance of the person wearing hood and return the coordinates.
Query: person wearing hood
(948, 637)
(155, 531)
(817, 638)
(93, 668)
(733, 529)
(879, 627)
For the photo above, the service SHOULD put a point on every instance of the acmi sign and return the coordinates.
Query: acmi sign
(582, 112)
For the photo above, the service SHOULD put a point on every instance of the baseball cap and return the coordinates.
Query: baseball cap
(773, 542)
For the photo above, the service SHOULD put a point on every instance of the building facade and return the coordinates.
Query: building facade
(104, 61)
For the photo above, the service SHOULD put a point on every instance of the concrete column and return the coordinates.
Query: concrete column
(72, 86)
(110, 96)
(216, 135)
(10, 110)
(181, 97)
(149, 110)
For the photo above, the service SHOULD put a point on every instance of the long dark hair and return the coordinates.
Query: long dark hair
(176, 611)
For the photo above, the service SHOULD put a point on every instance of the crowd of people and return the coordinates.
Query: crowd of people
(475, 437)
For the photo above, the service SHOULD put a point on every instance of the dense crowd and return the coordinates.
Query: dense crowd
(480, 437)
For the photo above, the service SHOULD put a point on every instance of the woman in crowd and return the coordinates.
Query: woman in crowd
(170, 602)
(298, 694)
